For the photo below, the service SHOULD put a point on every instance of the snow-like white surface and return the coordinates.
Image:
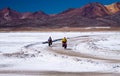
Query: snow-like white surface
(101, 45)
(39, 57)
(97, 27)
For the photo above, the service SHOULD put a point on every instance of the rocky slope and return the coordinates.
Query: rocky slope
(113, 8)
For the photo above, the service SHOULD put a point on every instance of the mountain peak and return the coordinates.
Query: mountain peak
(7, 9)
(68, 10)
(29, 15)
(39, 13)
(9, 14)
(94, 10)
(90, 10)
(113, 8)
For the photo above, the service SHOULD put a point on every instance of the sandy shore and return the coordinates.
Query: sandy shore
(63, 29)
(53, 73)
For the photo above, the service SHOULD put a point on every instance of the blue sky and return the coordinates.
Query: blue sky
(48, 6)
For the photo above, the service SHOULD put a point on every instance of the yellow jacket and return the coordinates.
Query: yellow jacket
(64, 40)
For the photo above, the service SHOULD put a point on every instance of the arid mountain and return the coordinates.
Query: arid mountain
(27, 15)
(113, 8)
(34, 15)
(90, 10)
(94, 10)
(90, 15)
(9, 14)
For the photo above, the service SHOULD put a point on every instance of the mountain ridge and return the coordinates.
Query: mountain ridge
(113, 8)
(91, 15)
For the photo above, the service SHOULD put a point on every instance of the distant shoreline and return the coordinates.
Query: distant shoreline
(55, 73)
(64, 29)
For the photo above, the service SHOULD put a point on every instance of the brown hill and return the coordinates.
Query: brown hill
(9, 14)
(113, 8)
(93, 14)
(34, 15)
(90, 10)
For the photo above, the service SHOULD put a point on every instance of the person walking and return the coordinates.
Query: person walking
(49, 41)
(64, 42)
